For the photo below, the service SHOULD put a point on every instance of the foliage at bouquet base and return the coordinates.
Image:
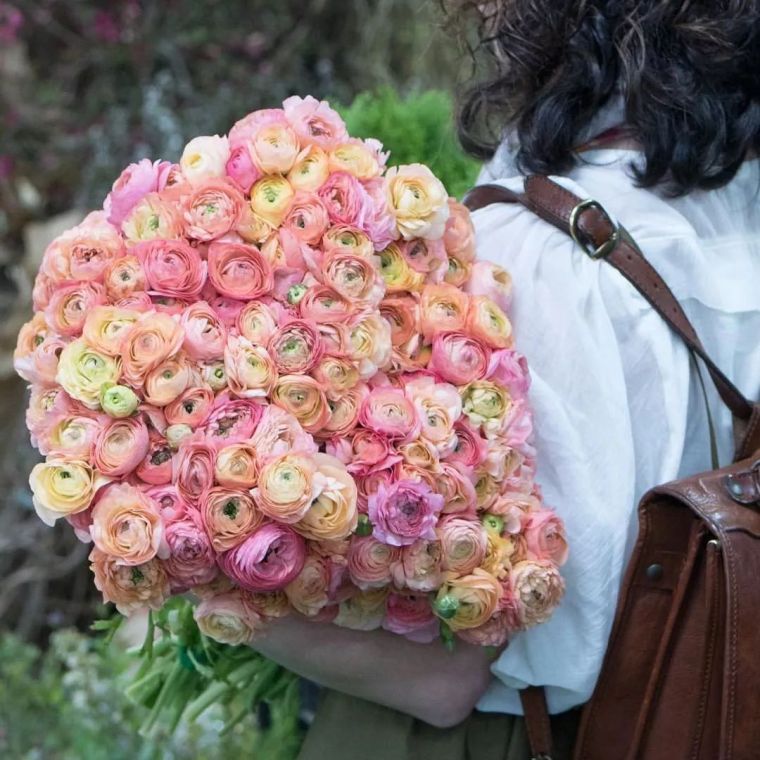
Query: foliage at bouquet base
(275, 374)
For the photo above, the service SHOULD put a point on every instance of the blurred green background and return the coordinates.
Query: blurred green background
(85, 88)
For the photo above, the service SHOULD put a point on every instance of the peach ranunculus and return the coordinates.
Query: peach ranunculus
(370, 344)
(353, 277)
(363, 611)
(538, 588)
(126, 524)
(287, 486)
(488, 279)
(456, 485)
(396, 272)
(192, 407)
(205, 334)
(545, 535)
(228, 618)
(193, 469)
(168, 381)
(271, 198)
(310, 170)
(124, 277)
(212, 210)
(370, 562)
(304, 398)
(418, 200)
(443, 308)
(192, 560)
(238, 271)
(231, 420)
(156, 467)
(438, 407)
(463, 542)
(279, 432)
(346, 200)
(236, 466)
(205, 157)
(419, 567)
(154, 338)
(333, 514)
(347, 239)
(121, 446)
(70, 304)
(323, 305)
(337, 375)
(459, 235)
(307, 217)
(251, 372)
(152, 218)
(467, 601)
(257, 322)
(389, 412)
(427, 257)
(106, 327)
(37, 352)
(71, 436)
(459, 358)
(402, 312)
(458, 272)
(354, 157)
(295, 347)
(309, 591)
(129, 587)
(229, 516)
(82, 372)
(487, 322)
(134, 183)
(173, 268)
(273, 146)
(486, 404)
(61, 487)
(344, 412)
(314, 121)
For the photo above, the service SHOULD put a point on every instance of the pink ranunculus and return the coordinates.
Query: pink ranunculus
(231, 420)
(346, 200)
(193, 470)
(267, 560)
(227, 309)
(471, 448)
(487, 279)
(212, 209)
(419, 567)
(205, 333)
(70, 304)
(538, 588)
(323, 305)
(135, 182)
(295, 347)
(71, 436)
(156, 467)
(459, 235)
(192, 407)
(518, 425)
(370, 562)
(241, 170)
(455, 484)
(121, 446)
(545, 534)
(381, 223)
(370, 451)
(239, 271)
(314, 121)
(493, 633)
(389, 412)
(279, 432)
(173, 268)
(463, 542)
(167, 499)
(307, 217)
(192, 560)
(404, 511)
(508, 368)
(411, 615)
(459, 358)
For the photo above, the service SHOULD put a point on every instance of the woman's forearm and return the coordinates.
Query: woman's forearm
(423, 680)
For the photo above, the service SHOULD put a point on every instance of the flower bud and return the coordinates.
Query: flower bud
(493, 523)
(118, 400)
(296, 293)
(215, 375)
(175, 434)
(364, 528)
(446, 606)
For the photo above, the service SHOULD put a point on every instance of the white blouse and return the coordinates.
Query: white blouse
(617, 406)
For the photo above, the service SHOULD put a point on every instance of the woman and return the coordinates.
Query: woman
(653, 108)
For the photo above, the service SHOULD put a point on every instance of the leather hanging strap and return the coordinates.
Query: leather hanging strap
(593, 229)
(537, 723)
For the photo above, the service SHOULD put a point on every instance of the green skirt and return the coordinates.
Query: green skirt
(346, 728)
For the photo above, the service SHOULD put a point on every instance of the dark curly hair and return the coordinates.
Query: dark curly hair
(688, 72)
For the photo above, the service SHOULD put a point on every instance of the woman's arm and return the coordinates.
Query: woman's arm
(424, 680)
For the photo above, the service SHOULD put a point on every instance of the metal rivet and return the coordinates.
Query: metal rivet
(654, 572)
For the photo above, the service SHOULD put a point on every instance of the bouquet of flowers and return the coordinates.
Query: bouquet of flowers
(276, 376)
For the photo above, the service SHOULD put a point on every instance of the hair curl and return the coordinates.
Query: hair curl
(688, 72)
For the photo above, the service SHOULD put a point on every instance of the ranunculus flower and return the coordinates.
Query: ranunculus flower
(295, 347)
(268, 560)
(229, 516)
(166, 382)
(455, 484)
(459, 358)
(459, 235)
(238, 271)
(332, 514)
(336, 375)
(353, 277)
(121, 446)
(467, 601)
(438, 407)
(45, 404)
(491, 280)
(458, 272)
(191, 560)
(370, 451)
(310, 169)
(193, 469)
(205, 157)
(323, 305)
(156, 467)
(427, 257)
(35, 357)
(279, 432)
(389, 412)
(129, 587)
(307, 217)
(443, 309)
(152, 218)
(82, 372)
(212, 210)
(370, 562)
(354, 157)
(231, 420)
(363, 611)
(403, 512)
(105, 328)
(70, 304)
(419, 567)
(309, 592)
(487, 322)
(61, 488)
(381, 224)
(419, 453)
(192, 407)
(167, 499)
(253, 228)
(273, 146)
(493, 633)
(271, 198)
(370, 344)
(396, 272)
(486, 403)
(402, 312)
(237, 466)
(287, 486)
(346, 200)
(511, 370)
(257, 322)
(463, 542)
(71, 436)
(134, 183)
(314, 121)
(126, 524)
(418, 200)
(173, 268)
(538, 588)
(344, 412)
(301, 396)
(251, 372)
(124, 277)
(344, 238)
(545, 535)
(471, 448)
(228, 618)
(410, 615)
(240, 168)
(154, 338)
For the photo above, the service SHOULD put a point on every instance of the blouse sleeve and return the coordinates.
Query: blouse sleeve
(597, 356)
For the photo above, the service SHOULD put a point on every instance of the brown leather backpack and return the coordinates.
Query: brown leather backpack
(681, 677)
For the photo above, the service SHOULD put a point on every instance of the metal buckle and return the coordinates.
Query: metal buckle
(605, 248)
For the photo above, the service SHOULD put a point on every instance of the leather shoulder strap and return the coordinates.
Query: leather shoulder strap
(591, 227)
